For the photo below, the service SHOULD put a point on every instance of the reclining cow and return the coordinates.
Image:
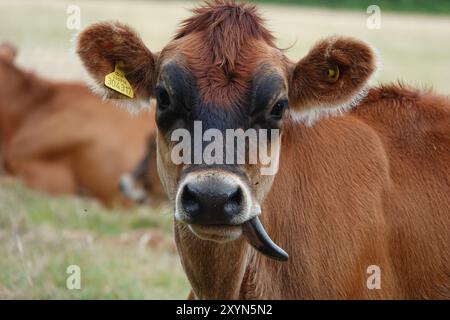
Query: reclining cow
(142, 184)
(60, 138)
(364, 175)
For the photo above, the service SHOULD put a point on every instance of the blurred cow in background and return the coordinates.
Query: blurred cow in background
(60, 138)
(142, 184)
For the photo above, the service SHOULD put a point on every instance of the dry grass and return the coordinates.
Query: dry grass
(125, 254)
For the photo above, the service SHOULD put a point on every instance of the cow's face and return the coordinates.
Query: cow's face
(222, 71)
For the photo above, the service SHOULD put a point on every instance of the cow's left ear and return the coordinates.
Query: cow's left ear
(103, 47)
(332, 78)
(8, 52)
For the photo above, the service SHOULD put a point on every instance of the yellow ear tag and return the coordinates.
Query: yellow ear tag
(116, 80)
(333, 73)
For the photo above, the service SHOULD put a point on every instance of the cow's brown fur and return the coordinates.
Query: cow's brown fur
(139, 66)
(325, 54)
(60, 138)
(369, 188)
(220, 45)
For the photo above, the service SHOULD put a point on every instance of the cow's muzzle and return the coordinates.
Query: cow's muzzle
(131, 190)
(218, 206)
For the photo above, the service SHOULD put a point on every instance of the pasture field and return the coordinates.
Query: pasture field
(122, 254)
(129, 253)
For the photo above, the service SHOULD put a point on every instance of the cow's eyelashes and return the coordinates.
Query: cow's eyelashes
(162, 97)
(278, 109)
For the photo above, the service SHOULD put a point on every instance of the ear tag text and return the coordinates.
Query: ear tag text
(116, 80)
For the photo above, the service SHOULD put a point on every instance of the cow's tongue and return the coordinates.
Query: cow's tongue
(256, 235)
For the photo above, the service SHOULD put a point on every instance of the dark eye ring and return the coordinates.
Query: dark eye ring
(162, 97)
(278, 109)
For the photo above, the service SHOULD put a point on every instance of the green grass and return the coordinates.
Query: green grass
(420, 6)
(122, 253)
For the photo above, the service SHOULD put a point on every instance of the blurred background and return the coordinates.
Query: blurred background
(128, 252)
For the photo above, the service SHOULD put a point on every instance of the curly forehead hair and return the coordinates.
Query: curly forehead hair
(227, 27)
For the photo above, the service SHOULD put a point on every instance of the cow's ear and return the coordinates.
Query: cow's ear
(7, 52)
(332, 78)
(103, 47)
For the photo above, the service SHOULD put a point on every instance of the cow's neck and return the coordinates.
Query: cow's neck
(215, 270)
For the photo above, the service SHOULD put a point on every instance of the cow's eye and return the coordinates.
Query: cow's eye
(278, 109)
(162, 97)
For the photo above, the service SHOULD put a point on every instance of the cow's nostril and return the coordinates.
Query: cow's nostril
(190, 201)
(233, 204)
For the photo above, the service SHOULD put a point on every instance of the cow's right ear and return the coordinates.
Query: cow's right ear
(102, 46)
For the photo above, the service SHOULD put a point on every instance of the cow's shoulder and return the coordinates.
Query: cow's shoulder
(404, 111)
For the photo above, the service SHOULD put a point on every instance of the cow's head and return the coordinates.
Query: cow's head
(7, 52)
(13, 82)
(222, 68)
(142, 184)
(10, 75)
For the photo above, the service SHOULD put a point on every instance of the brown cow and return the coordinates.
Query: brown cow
(142, 184)
(363, 189)
(60, 138)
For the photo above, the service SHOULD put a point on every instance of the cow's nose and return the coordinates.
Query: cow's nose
(123, 184)
(213, 203)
